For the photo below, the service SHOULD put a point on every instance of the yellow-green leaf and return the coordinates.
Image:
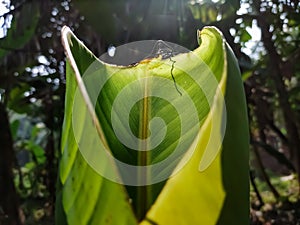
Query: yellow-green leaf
(188, 109)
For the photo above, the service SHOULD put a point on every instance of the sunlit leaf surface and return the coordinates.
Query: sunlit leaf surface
(189, 110)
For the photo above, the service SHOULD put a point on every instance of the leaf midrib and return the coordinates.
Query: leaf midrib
(144, 158)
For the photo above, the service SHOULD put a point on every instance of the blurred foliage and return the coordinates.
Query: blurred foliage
(264, 34)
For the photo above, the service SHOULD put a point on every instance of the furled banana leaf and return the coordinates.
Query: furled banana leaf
(162, 141)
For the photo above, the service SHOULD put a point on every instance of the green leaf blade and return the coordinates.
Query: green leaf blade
(82, 190)
(201, 188)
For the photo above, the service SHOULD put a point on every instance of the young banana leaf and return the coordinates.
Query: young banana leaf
(162, 141)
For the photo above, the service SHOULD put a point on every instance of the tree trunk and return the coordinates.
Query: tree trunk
(276, 75)
(9, 206)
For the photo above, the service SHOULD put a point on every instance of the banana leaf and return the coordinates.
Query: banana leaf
(161, 141)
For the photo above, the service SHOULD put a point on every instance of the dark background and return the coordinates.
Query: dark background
(265, 37)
